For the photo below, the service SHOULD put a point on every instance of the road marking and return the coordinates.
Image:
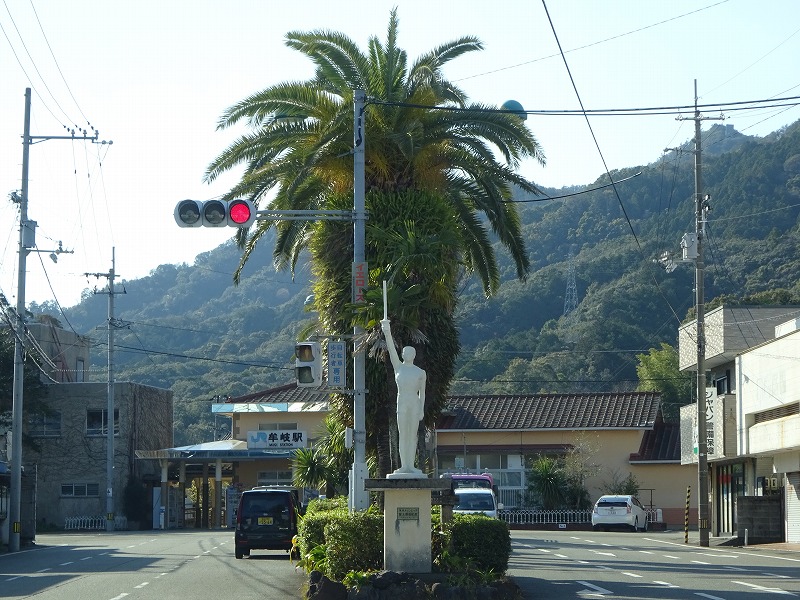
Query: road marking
(646, 552)
(670, 556)
(86, 558)
(43, 570)
(700, 562)
(666, 584)
(543, 550)
(776, 576)
(141, 585)
(761, 588)
(604, 553)
(120, 596)
(734, 568)
(561, 555)
(597, 589)
(709, 596)
(13, 578)
(630, 574)
(66, 563)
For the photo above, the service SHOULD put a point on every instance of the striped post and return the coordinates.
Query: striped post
(686, 517)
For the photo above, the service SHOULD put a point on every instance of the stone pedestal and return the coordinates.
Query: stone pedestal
(406, 522)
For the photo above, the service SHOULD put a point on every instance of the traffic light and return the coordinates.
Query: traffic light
(308, 364)
(215, 213)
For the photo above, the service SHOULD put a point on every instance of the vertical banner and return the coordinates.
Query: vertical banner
(360, 281)
(337, 364)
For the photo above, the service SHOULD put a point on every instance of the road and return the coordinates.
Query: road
(620, 565)
(555, 565)
(146, 565)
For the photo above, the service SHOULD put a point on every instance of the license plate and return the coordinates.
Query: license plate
(265, 520)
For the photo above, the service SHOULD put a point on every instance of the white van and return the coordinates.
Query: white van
(476, 501)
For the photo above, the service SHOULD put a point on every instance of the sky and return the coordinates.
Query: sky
(153, 77)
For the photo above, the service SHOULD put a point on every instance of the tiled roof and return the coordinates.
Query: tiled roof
(662, 443)
(631, 410)
(288, 393)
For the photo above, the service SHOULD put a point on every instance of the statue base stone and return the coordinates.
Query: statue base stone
(407, 521)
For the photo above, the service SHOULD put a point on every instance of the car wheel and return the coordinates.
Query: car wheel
(238, 553)
(644, 527)
(595, 527)
(635, 525)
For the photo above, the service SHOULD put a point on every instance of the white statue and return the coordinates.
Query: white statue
(410, 381)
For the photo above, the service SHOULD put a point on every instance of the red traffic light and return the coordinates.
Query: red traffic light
(241, 213)
(215, 213)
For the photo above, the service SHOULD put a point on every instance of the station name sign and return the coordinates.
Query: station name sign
(276, 439)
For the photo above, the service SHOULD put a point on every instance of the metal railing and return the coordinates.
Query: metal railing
(537, 516)
(94, 523)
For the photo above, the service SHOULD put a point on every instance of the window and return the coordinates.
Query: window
(45, 425)
(97, 422)
(80, 371)
(274, 478)
(276, 426)
(80, 490)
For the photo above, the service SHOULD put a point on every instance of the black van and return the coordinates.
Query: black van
(266, 519)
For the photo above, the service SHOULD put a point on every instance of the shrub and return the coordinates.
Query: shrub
(485, 543)
(311, 528)
(354, 542)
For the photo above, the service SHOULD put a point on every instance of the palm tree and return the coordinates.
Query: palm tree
(426, 146)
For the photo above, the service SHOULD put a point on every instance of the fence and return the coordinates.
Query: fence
(94, 523)
(535, 516)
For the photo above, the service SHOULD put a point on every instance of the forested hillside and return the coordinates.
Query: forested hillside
(188, 328)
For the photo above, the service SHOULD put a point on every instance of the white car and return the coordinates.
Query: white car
(619, 511)
(476, 501)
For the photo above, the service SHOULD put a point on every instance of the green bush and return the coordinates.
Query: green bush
(482, 541)
(311, 528)
(355, 543)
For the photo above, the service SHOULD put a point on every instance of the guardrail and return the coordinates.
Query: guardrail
(94, 523)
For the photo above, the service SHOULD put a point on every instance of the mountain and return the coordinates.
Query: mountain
(188, 328)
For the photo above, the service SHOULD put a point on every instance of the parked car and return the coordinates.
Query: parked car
(266, 519)
(475, 501)
(619, 511)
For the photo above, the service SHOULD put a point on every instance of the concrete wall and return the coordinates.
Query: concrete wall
(761, 517)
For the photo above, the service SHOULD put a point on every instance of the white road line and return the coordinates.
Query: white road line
(604, 553)
(141, 585)
(700, 562)
(43, 570)
(761, 588)
(776, 576)
(13, 578)
(670, 556)
(597, 589)
(666, 584)
(709, 596)
(561, 555)
(646, 552)
(630, 574)
(66, 563)
(86, 558)
(120, 597)
(543, 550)
(734, 568)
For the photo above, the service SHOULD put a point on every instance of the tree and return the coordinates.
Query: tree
(326, 464)
(547, 482)
(424, 141)
(658, 371)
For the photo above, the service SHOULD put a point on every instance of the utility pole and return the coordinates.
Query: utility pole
(359, 497)
(110, 421)
(701, 208)
(27, 243)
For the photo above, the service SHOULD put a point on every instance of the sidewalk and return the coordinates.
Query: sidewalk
(730, 542)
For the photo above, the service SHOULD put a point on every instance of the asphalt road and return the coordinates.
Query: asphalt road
(659, 565)
(146, 565)
(547, 566)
